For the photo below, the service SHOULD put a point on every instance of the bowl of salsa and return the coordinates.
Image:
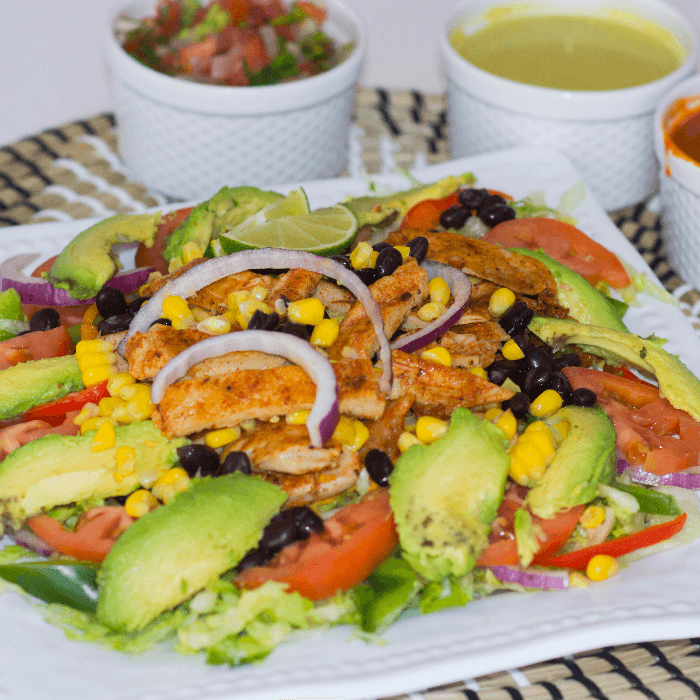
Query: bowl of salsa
(581, 77)
(233, 91)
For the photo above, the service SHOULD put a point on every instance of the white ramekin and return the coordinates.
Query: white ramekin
(186, 140)
(606, 134)
(680, 187)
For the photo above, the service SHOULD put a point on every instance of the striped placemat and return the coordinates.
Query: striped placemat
(73, 172)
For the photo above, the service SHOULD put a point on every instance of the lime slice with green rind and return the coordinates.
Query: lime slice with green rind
(324, 232)
(295, 203)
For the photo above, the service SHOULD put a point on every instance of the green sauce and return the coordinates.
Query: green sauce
(571, 52)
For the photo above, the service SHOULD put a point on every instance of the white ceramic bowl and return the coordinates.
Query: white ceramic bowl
(607, 134)
(680, 186)
(186, 140)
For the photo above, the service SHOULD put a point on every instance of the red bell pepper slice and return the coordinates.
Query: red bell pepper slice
(72, 402)
(622, 545)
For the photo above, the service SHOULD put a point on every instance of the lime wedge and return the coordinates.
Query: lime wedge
(295, 203)
(324, 232)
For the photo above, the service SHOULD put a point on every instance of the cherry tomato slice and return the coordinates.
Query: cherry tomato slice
(72, 402)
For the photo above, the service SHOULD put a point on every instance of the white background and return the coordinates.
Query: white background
(52, 70)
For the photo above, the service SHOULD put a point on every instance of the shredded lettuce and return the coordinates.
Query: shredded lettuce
(534, 205)
(642, 283)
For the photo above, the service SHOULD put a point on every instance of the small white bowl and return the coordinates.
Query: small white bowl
(680, 186)
(186, 140)
(607, 134)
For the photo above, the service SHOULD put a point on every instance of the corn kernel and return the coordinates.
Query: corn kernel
(126, 462)
(96, 375)
(215, 325)
(537, 426)
(92, 424)
(373, 259)
(512, 351)
(508, 424)
(429, 429)
(493, 414)
(139, 408)
(83, 347)
(361, 256)
(191, 251)
(148, 477)
(546, 403)
(360, 435)
(176, 309)
(175, 264)
(560, 430)
(297, 418)
(479, 372)
(105, 438)
(89, 360)
(130, 391)
(325, 333)
(404, 250)
(306, 311)
(231, 317)
(439, 355)
(108, 404)
(430, 311)
(543, 443)
(219, 438)
(117, 381)
(601, 567)
(501, 300)
(200, 314)
(407, 440)
(139, 503)
(259, 292)
(89, 410)
(439, 291)
(578, 580)
(344, 432)
(172, 482)
(592, 517)
(249, 425)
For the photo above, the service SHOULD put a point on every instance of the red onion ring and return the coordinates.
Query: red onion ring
(532, 578)
(461, 289)
(274, 258)
(684, 479)
(325, 413)
(34, 290)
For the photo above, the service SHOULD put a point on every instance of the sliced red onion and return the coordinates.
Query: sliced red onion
(34, 290)
(272, 258)
(687, 479)
(325, 413)
(532, 578)
(26, 538)
(461, 289)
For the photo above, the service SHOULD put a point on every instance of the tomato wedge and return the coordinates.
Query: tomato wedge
(356, 540)
(564, 243)
(97, 530)
(72, 402)
(622, 545)
(153, 256)
(38, 345)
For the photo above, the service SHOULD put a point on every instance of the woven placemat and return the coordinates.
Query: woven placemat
(73, 172)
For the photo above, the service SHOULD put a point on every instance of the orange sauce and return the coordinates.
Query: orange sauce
(681, 128)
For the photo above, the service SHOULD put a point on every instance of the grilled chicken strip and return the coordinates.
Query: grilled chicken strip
(384, 432)
(437, 390)
(487, 261)
(294, 285)
(192, 405)
(213, 297)
(335, 298)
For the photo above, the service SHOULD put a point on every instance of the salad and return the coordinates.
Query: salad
(233, 42)
(486, 361)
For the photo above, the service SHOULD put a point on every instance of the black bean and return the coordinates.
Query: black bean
(279, 532)
(490, 200)
(236, 462)
(297, 329)
(379, 466)
(198, 459)
(498, 372)
(571, 359)
(24, 332)
(387, 261)
(517, 318)
(255, 557)
(161, 322)
(522, 341)
(260, 321)
(519, 404)
(343, 260)
(419, 248)
(136, 304)
(584, 397)
(454, 217)
(367, 275)
(307, 521)
(471, 198)
(562, 386)
(45, 320)
(497, 214)
(537, 380)
(115, 324)
(381, 245)
(539, 356)
(110, 302)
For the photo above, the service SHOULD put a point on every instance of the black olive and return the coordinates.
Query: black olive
(572, 359)
(161, 322)
(379, 466)
(519, 404)
(260, 321)
(198, 459)
(307, 521)
(110, 302)
(562, 386)
(255, 557)
(136, 304)
(584, 397)
(236, 462)
(280, 531)
(419, 248)
(537, 380)
(539, 356)
(44, 320)
(471, 198)
(497, 214)
(297, 329)
(343, 260)
(454, 217)
(490, 200)
(387, 261)
(517, 318)
(367, 275)
(115, 324)
(381, 245)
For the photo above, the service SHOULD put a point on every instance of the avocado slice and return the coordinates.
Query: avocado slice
(586, 304)
(584, 459)
(34, 382)
(445, 496)
(227, 208)
(676, 382)
(58, 469)
(374, 210)
(175, 550)
(87, 262)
